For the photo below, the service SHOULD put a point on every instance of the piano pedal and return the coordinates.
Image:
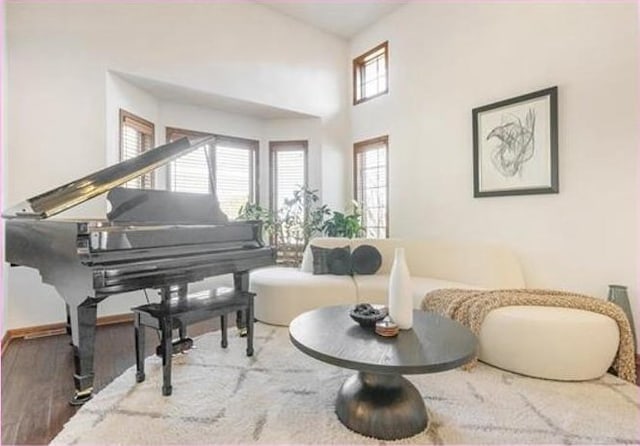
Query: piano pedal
(79, 398)
(178, 346)
(242, 332)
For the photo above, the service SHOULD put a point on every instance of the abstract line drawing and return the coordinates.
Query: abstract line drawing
(517, 143)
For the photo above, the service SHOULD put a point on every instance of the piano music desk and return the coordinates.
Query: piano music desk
(178, 310)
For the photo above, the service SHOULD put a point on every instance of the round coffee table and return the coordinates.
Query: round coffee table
(378, 401)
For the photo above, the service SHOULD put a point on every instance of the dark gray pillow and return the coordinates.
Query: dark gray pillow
(366, 259)
(331, 260)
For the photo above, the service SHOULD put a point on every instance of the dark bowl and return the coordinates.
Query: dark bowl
(369, 321)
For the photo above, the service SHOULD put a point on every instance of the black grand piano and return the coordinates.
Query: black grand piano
(150, 239)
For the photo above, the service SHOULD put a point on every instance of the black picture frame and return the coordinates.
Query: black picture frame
(513, 152)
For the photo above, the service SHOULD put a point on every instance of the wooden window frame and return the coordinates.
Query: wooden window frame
(359, 147)
(358, 66)
(143, 125)
(254, 168)
(273, 175)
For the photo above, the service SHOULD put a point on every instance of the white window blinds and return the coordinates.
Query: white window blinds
(371, 185)
(234, 164)
(235, 167)
(136, 136)
(288, 170)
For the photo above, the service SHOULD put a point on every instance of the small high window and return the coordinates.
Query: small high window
(136, 137)
(370, 74)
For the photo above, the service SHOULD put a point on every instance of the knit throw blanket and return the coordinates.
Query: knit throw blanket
(470, 307)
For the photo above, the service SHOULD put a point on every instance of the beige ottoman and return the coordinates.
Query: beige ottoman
(549, 342)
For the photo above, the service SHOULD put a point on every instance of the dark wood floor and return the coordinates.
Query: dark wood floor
(37, 378)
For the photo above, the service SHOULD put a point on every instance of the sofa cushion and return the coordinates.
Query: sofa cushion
(373, 289)
(331, 260)
(386, 247)
(484, 265)
(366, 259)
(284, 293)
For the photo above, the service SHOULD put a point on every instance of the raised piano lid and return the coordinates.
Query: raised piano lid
(76, 192)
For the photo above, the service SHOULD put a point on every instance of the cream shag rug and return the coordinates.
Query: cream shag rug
(282, 396)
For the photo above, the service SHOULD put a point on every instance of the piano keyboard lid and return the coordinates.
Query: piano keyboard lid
(76, 192)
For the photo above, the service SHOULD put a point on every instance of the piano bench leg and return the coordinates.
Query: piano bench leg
(223, 328)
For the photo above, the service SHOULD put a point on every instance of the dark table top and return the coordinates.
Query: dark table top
(434, 344)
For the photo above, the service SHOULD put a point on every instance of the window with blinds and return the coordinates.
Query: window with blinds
(370, 74)
(232, 163)
(288, 167)
(371, 185)
(190, 172)
(136, 136)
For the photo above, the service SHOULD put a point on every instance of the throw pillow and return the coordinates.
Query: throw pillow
(331, 260)
(366, 259)
(340, 261)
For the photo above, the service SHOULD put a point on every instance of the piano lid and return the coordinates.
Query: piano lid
(76, 192)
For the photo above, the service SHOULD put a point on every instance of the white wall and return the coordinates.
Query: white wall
(60, 55)
(3, 162)
(446, 59)
(121, 94)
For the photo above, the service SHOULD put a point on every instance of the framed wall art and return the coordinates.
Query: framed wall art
(515, 146)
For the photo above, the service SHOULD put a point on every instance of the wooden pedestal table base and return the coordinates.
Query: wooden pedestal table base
(384, 406)
(378, 401)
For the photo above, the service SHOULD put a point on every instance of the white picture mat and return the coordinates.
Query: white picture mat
(536, 172)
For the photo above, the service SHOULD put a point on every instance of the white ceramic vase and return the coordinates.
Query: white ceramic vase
(400, 299)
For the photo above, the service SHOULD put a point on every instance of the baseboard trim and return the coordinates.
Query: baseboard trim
(39, 331)
(5, 342)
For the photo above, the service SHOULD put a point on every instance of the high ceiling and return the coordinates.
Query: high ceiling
(344, 19)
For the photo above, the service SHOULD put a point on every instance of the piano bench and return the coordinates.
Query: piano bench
(178, 314)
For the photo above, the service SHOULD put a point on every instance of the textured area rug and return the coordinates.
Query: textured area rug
(282, 396)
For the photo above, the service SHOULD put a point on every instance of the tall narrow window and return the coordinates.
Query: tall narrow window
(370, 74)
(136, 136)
(288, 166)
(232, 164)
(236, 167)
(371, 185)
(190, 172)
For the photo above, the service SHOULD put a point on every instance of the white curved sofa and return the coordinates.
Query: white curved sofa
(284, 293)
(546, 342)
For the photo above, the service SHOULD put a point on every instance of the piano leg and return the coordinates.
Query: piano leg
(82, 319)
(250, 327)
(223, 328)
(139, 335)
(167, 351)
(241, 283)
(68, 324)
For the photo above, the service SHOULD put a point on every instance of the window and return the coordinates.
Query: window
(371, 185)
(288, 167)
(190, 172)
(136, 136)
(370, 74)
(231, 162)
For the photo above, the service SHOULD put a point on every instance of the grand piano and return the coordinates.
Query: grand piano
(151, 239)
